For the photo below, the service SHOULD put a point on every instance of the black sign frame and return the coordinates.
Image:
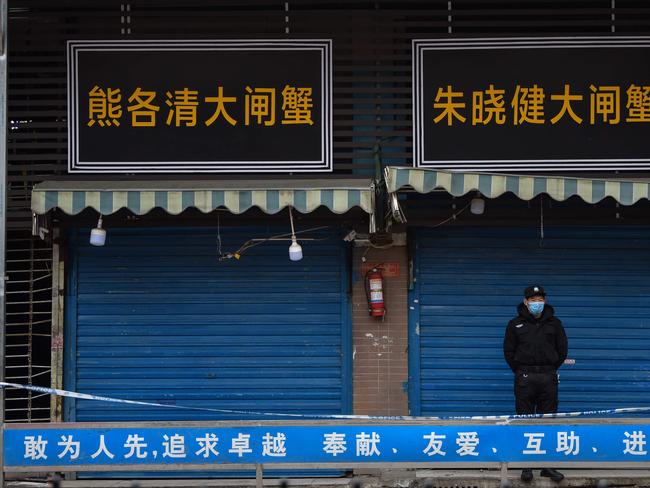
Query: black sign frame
(423, 147)
(321, 164)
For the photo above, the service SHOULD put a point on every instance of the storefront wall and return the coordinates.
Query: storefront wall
(381, 344)
(372, 123)
(298, 338)
(468, 282)
(154, 316)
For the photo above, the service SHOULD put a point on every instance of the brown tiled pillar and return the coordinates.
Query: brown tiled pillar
(380, 346)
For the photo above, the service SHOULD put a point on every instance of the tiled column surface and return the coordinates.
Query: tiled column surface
(380, 346)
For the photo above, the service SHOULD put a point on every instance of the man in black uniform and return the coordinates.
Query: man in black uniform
(535, 346)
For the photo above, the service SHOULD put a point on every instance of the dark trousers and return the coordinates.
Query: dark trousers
(535, 393)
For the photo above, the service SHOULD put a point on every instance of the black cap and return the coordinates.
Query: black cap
(534, 291)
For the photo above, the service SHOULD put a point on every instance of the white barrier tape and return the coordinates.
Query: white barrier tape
(85, 396)
(506, 418)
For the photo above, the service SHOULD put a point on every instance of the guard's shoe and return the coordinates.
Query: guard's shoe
(552, 473)
(527, 475)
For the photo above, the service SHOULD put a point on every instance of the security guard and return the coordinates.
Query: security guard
(535, 346)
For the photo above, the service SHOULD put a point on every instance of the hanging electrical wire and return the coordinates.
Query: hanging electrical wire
(219, 252)
(257, 241)
(454, 216)
(541, 221)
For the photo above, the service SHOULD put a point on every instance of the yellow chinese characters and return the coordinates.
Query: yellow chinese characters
(638, 103)
(220, 100)
(143, 112)
(566, 98)
(260, 103)
(184, 107)
(448, 106)
(605, 104)
(530, 103)
(488, 105)
(296, 105)
(183, 104)
(104, 106)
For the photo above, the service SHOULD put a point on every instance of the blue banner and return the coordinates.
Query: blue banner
(283, 444)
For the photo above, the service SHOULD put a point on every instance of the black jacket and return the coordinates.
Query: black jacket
(531, 341)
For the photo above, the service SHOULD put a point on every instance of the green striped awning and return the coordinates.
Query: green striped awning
(140, 197)
(525, 187)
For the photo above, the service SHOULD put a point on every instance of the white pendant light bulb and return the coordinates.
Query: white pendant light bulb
(98, 235)
(477, 206)
(295, 250)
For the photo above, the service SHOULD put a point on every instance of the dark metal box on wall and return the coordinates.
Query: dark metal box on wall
(199, 106)
(532, 104)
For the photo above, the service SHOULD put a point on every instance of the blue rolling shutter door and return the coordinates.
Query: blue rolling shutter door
(469, 281)
(160, 319)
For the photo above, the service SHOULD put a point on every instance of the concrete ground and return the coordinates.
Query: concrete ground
(627, 478)
(573, 477)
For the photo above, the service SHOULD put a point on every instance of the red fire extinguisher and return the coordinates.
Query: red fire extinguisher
(375, 292)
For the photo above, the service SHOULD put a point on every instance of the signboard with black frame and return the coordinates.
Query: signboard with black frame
(532, 104)
(209, 106)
